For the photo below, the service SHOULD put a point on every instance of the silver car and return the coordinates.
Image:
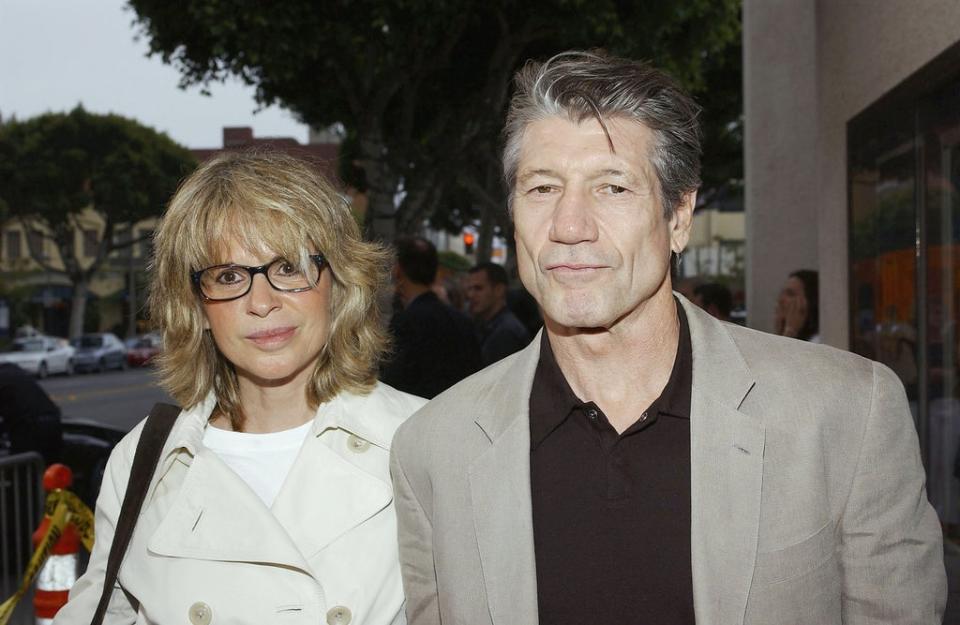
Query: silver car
(99, 352)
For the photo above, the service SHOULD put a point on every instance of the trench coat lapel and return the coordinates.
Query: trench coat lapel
(500, 495)
(726, 456)
(325, 495)
(216, 516)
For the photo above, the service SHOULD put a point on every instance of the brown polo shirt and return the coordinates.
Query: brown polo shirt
(611, 512)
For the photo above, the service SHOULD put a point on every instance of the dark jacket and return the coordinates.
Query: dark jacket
(30, 420)
(501, 336)
(434, 348)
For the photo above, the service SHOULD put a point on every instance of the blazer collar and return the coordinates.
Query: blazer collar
(500, 493)
(504, 404)
(726, 471)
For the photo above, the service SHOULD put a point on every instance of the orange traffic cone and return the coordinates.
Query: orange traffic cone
(59, 571)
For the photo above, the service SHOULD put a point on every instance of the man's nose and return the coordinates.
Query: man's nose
(573, 219)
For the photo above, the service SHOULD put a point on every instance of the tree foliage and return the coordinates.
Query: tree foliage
(422, 85)
(55, 166)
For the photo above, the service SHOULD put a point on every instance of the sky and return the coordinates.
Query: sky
(55, 54)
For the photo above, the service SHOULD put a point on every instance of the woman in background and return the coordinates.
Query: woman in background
(797, 313)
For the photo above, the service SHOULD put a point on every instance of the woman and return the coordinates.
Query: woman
(272, 500)
(797, 314)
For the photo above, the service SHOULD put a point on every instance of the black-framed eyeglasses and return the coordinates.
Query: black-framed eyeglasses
(222, 283)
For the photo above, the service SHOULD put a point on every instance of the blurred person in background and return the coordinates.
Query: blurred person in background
(28, 417)
(272, 496)
(797, 311)
(501, 333)
(435, 346)
(715, 298)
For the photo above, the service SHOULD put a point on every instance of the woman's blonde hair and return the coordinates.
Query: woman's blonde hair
(263, 199)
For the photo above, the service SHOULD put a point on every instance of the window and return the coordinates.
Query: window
(37, 245)
(121, 236)
(904, 216)
(12, 243)
(91, 241)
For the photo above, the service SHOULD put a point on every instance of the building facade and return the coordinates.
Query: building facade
(852, 162)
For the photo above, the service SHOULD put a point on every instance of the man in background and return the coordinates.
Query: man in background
(501, 333)
(434, 345)
(714, 298)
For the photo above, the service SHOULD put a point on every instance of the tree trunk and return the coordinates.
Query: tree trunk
(131, 298)
(382, 186)
(78, 307)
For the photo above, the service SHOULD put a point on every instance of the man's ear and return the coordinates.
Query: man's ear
(681, 221)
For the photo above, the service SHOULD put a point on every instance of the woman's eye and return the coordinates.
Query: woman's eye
(229, 276)
(616, 189)
(287, 268)
(541, 189)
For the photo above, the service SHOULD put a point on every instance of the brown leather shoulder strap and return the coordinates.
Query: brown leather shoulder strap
(154, 435)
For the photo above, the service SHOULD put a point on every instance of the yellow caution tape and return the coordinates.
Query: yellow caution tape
(80, 515)
(63, 508)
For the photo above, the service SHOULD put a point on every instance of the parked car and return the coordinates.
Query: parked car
(142, 351)
(41, 355)
(99, 352)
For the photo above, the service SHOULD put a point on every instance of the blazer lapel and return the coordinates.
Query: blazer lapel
(217, 517)
(500, 494)
(726, 456)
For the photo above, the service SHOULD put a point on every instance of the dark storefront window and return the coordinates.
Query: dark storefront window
(904, 193)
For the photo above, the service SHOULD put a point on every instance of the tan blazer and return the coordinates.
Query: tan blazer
(808, 499)
(207, 550)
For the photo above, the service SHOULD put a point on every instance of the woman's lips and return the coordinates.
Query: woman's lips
(271, 336)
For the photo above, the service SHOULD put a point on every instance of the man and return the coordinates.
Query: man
(714, 298)
(501, 333)
(641, 462)
(434, 346)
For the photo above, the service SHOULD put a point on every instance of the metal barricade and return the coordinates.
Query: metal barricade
(21, 508)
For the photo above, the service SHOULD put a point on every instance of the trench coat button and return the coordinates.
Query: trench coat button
(200, 613)
(358, 445)
(339, 614)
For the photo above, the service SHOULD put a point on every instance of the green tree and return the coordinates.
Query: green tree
(421, 86)
(55, 166)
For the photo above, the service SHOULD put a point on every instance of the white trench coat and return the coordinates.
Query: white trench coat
(207, 551)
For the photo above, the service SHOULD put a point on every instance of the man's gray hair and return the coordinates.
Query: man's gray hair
(582, 85)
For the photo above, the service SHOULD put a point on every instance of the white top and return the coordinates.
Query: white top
(261, 460)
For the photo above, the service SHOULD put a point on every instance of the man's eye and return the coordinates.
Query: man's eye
(542, 189)
(616, 189)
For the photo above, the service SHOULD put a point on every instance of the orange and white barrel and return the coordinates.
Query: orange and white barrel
(59, 571)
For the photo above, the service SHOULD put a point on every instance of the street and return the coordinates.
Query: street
(116, 398)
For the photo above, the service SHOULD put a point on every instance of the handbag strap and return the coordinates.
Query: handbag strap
(155, 432)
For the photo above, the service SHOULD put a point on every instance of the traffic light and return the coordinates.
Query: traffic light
(468, 242)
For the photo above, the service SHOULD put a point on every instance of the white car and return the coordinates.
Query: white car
(41, 355)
